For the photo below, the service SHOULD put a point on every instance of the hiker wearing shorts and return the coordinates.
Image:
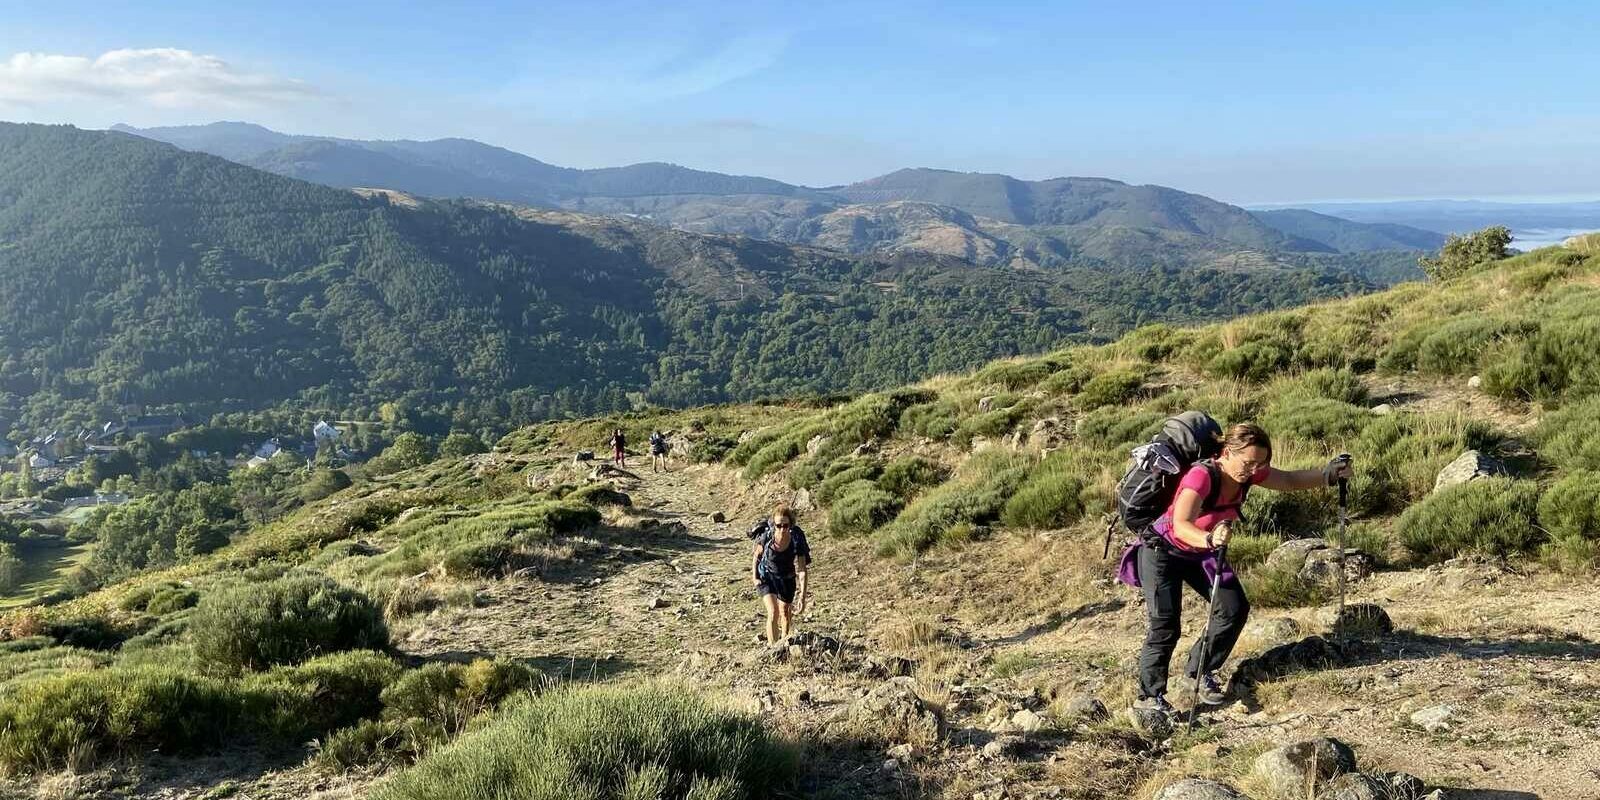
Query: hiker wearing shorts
(778, 571)
(658, 452)
(1181, 549)
(619, 444)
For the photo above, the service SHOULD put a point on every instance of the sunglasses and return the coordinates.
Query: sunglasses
(782, 526)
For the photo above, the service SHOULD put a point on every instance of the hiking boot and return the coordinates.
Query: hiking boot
(1158, 703)
(1210, 691)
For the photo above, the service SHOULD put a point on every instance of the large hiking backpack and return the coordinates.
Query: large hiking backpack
(1146, 490)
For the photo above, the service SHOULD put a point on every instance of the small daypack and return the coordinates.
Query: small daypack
(1147, 488)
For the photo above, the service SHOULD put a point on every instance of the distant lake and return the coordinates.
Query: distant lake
(1534, 238)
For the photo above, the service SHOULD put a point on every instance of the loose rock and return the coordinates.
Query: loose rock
(1468, 466)
(1382, 409)
(718, 517)
(1150, 723)
(1087, 708)
(1295, 769)
(1355, 786)
(1358, 619)
(582, 455)
(1002, 747)
(1434, 719)
(1028, 721)
(896, 712)
(1404, 785)
(1273, 629)
(657, 602)
(1197, 789)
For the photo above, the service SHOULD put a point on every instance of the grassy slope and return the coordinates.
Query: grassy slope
(1308, 373)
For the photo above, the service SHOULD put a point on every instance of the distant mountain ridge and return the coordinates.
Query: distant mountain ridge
(987, 218)
(152, 275)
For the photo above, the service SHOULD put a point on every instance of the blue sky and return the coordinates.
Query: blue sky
(1247, 102)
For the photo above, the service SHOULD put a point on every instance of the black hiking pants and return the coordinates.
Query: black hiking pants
(1162, 576)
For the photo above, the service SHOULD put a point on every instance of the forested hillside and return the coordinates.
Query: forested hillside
(144, 274)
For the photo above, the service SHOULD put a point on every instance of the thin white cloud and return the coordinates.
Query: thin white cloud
(162, 77)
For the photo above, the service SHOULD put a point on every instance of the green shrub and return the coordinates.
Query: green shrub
(1112, 387)
(1246, 550)
(1401, 353)
(1493, 516)
(1462, 253)
(322, 483)
(599, 742)
(1570, 509)
(255, 626)
(1277, 587)
(860, 508)
(72, 719)
(1399, 456)
(829, 487)
(1252, 362)
(1570, 437)
(1155, 342)
(451, 695)
(172, 599)
(1320, 384)
(1457, 346)
(745, 450)
(1052, 495)
(1329, 424)
(976, 494)
(711, 449)
(477, 559)
(1067, 380)
(907, 476)
(1014, 375)
(1111, 426)
(295, 702)
(935, 420)
(998, 422)
(1560, 361)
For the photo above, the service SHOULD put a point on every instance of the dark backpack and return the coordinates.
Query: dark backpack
(1147, 488)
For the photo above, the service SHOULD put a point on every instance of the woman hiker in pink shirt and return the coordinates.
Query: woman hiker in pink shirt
(1185, 552)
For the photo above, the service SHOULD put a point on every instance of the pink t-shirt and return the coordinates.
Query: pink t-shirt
(1198, 478)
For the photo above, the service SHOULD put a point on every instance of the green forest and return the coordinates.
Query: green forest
(139, 274)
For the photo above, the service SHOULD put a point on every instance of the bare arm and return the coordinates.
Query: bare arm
(801, 565)
(1185, 510)
(1294, 480)
(755, 566)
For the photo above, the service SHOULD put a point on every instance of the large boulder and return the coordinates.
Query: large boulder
(1355, 786)
(1468, 466)
(1301, 768)
(1310, 653)
(1150, 723)
(817, 443)
(1198, 789)
(1357, 619)
(895, 712)
(1317, 560)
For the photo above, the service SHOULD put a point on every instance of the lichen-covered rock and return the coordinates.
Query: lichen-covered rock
(1468, 466)
(1197, 789)
(895, 712)
(1357, 619)
(1301, 768)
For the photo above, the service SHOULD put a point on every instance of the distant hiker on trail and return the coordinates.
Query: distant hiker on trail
(619, 445)
(778, 570)
(658, 452)
(1185, 545)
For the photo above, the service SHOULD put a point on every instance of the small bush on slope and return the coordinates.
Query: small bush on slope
(1053, 496)
(860, 508)
(977, 493)
(1493, 516)
(1570, 437)
(255, 626)
(75, 718)
(602, 742)
(907, 476)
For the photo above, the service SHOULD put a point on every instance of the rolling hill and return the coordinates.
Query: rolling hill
(160, 277)
(989, 218)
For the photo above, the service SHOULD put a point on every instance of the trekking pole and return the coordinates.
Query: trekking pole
(1205, 635)
(1344, 506)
